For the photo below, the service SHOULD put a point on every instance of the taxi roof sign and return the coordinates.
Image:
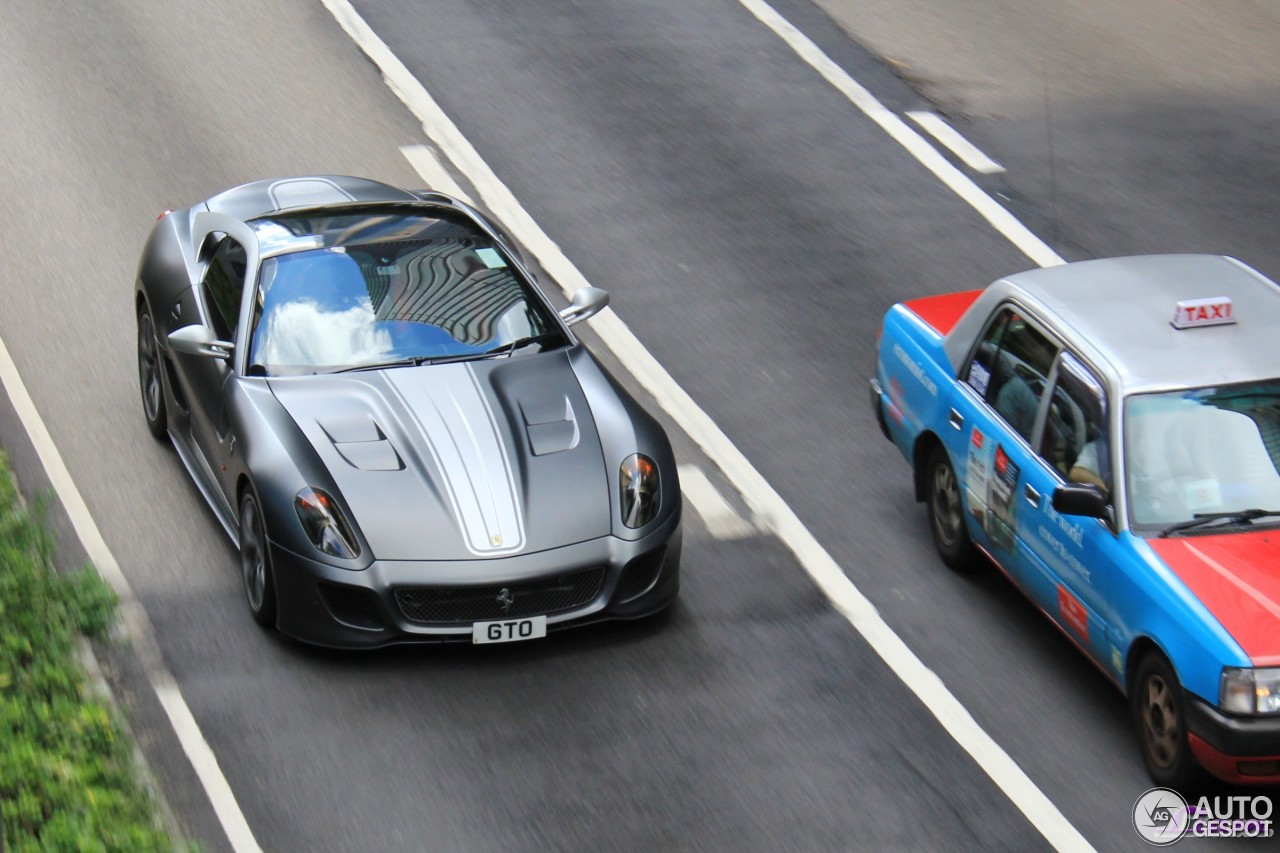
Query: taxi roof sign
(1212, 311)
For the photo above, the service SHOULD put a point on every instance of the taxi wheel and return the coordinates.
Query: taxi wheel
(255, 563)
(946, 513)
(1159, 713)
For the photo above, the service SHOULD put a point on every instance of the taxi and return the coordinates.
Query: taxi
(1108, 433)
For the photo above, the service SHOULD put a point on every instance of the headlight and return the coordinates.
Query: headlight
(638, 481)
(325, 524)
(1250, 691)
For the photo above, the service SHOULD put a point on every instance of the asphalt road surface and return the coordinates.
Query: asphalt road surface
(752, 226)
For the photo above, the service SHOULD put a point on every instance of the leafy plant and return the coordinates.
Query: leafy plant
(67, 775)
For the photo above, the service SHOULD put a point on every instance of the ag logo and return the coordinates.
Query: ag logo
(1161, 816)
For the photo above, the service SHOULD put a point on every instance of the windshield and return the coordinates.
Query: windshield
(445, 292)
(1205, 450)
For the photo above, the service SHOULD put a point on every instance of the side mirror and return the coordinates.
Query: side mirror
(587, 302)
(1081, 499)
(199, 340)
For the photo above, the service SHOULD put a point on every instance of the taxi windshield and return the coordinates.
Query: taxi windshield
(1202, 451)
(431, 289)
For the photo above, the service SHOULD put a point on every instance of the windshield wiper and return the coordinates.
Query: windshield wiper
(416, 361)
(379, 365)
(518, 343)
(1243, 516)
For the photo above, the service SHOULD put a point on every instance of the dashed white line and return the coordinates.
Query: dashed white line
(760, 496)
(133, 619)
(721, 520)
(959, 146)
(902, 133)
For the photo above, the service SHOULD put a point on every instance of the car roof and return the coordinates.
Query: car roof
(260, 198)
(1118, 313)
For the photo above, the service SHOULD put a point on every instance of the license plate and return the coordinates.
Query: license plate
(509, 630)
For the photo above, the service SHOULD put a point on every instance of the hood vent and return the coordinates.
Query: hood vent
(361, 442)
(550, 424)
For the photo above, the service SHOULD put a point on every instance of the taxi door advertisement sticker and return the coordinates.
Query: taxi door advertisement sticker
(1001, 507)
(1073, 612)
(976, 474)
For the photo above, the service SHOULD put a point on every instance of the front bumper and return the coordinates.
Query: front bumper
(1241, 750)
(331, 606)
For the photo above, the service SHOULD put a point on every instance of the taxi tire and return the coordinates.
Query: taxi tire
(946, 514)
(1159, 713)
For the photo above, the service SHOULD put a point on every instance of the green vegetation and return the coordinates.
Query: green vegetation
(67, 775)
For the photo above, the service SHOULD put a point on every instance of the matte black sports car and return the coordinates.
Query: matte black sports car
(399, 431)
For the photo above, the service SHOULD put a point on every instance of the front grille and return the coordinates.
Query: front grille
(436, 604)
(640, 575)
(352, 606)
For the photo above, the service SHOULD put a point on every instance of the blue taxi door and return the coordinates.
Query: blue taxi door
(992, 468)
(993, 420)
(1076, 556)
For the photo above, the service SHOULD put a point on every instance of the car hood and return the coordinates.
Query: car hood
(1237, 577)
(476, 459)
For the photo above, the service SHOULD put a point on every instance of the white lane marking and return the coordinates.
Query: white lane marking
(760, 497)
(425, 163)
(721, 520)
(950, 137)
(902, 133)
(133, 619)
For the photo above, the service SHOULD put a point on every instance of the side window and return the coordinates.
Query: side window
(1010, 369)
(223, 285)
(1075, 440)
(982, 367)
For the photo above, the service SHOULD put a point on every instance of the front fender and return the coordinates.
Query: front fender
(1163, 610)
(624, 428)
(273, 454)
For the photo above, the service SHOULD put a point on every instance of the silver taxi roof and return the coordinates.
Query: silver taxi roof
(1119, 312)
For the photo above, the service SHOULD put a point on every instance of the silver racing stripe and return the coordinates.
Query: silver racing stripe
(456, 422)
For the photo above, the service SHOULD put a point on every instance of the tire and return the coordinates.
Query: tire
(1159, 713)
(255, 563)
(946, 514)
(150, 381)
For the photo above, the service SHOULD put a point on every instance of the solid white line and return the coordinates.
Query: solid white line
(761, 498)
(428, 165)
(133, 619)
(950, 137)
(902, 133)
(721, 520)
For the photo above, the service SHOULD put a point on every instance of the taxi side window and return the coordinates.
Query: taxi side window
(1075, 440)
(1010, 367)
(223, 285)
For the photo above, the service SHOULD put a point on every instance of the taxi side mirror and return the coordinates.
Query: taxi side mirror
(1082, 499)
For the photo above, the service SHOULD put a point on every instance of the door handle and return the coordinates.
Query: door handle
(1032, 496)
(956, 420)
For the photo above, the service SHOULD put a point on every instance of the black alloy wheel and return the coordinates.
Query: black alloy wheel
(149, 379)
(255, 563)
